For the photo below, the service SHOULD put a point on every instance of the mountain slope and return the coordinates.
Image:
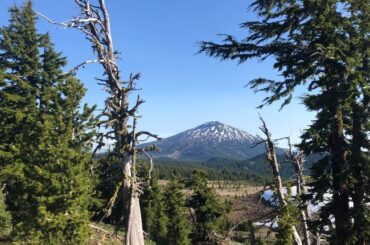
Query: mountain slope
(209, 140)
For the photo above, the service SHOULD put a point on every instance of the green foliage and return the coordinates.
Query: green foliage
(287, 219)
(217, 169)
(5, 218)
(223, 224)
(245, 226)
(254, 171)
(178, 225)
(330, 58)
(155, 219)
(107, 177)
(207, 208)
(359, 185)
(285, 232)
(259, 241)
(46, 135)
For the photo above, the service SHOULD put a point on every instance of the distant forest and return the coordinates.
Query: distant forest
(254, 171)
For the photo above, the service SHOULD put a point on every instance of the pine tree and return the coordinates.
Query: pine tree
(19, 61)
(358, 118)
(155, 220)
(106, 179)
(18, 109)
(287, 219)
(178, 226)
(5, 218)
(44, 149)
(322, 45)
(207, 207)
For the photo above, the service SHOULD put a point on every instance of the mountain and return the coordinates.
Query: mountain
(209, 140)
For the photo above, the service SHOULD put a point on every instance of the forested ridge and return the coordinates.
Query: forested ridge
(74, 174)
(220, 169)
(255, 170)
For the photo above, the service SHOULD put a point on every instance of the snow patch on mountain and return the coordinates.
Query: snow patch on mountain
(209, 140)
(216, 131)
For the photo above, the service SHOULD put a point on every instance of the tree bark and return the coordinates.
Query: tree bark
(94, 22)
(272, 159)
(340, 194)
(134, 227)
(297, 159)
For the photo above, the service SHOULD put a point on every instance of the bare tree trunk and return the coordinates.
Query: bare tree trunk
(297, 159)
(272, 159)
(134, 227)
(94, 22)
(135, 234)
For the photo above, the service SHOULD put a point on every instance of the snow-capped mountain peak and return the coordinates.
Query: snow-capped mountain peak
(209, 140)
(216, 131)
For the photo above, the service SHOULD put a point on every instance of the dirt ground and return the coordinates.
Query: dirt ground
(246, 204)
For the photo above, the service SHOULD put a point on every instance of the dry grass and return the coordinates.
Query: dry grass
(246, 204)
(233, 189)
(103, 234)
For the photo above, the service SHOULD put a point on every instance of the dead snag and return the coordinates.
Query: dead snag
(297, 159)
(272, 160)
(94, 22)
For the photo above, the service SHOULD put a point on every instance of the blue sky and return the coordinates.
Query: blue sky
(182, 89)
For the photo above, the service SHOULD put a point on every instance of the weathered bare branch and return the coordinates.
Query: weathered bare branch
(74, 69)
(94, 22)
(112, 201)
(272, 160)
(138, 134)
(99, 229)
(297, 159)
(150, 162)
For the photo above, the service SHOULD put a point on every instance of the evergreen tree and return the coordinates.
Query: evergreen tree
(287, 219)
(178, 225)
(44, 149)
(19, 60)
(207, 207)
(18, 109)
(324, 46)
(358, 118)
(5, 218)
(155, 220)
(107, 176)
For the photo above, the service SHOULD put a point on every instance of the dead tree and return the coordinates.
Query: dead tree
(298, 159)
(252, 234)
(272, 160)
(117, 115)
